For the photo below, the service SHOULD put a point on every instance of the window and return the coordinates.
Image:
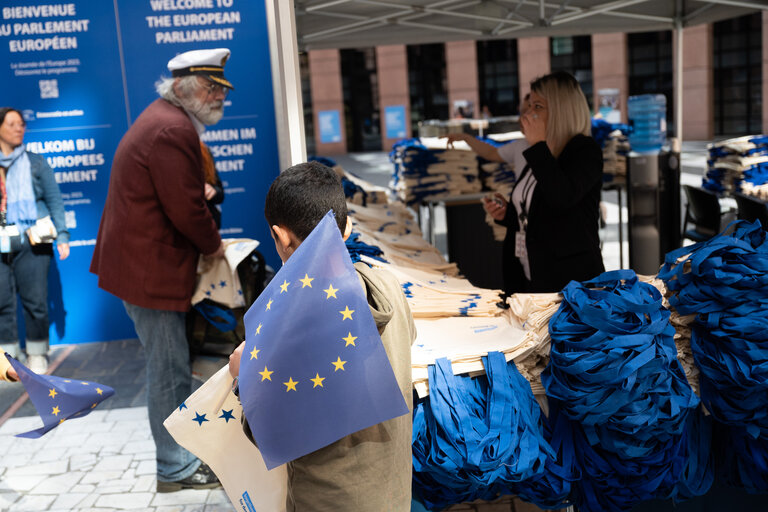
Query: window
(427, 83)
(574, 55)
(306, 98)
(738, 75)
(498, 77)
(360, 87)
(650, 68)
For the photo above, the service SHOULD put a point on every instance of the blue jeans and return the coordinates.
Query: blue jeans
(25, 273)
(169, 383)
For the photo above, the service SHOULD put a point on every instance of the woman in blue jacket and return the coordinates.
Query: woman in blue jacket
(28, 193)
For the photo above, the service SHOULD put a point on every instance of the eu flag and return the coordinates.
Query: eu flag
(57, 399)
(314, 368)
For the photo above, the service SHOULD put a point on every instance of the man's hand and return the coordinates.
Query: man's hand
(234, 360)
(453, 137)
(209, 192)
(12, 375)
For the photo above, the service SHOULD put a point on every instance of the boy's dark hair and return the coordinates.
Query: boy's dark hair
(301, 195)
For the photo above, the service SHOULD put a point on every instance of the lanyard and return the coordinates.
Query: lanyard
(3, 196)
(527, 188)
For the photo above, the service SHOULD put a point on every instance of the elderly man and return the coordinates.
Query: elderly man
(154, 227)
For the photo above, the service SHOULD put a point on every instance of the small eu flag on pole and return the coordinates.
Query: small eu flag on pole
(57, 399)
(314, 368)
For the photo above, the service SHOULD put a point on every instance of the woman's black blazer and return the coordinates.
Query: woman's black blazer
(562, 236)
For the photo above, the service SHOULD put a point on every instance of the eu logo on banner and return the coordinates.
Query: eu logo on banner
(57, 399)
(314, 368)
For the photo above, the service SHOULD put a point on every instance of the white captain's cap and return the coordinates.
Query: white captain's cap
(206, 63)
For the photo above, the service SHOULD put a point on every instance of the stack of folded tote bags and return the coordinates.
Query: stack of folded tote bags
(737, 164)
(425, 169)
(613, 391)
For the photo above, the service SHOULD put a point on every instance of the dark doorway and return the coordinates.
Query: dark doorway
(574, 55)
(650, 68)
(427, 83)
(361, 99)
(738, 75)
(498, 77)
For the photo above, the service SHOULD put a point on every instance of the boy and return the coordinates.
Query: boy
(369, 470)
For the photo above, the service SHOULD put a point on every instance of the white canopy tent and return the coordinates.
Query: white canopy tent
(317, 24)
(355, 23)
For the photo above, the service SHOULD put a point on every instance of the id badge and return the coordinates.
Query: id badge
(520, 249)
(10, 230)
(6, 232)
(521, 252)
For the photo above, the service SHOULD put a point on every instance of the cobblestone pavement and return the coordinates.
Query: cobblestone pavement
(102, 462)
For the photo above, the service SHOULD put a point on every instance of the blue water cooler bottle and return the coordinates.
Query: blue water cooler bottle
(648, 122)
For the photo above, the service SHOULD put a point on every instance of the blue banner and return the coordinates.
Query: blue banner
(330, 126)
(82, 71)
(394, 119)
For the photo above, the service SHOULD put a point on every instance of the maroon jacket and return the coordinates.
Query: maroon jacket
(155, 222)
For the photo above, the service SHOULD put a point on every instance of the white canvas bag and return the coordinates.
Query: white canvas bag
(203, 426)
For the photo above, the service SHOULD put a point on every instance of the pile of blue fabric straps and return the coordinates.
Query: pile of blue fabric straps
(623, 425)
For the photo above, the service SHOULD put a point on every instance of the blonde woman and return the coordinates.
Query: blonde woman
(552, 236)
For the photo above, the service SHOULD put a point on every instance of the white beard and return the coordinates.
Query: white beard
(207, 113)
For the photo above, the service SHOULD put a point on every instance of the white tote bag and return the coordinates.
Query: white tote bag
(208, 425)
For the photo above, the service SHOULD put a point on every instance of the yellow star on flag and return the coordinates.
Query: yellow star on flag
(258, 330)
(255, 353)
(52, 393)
(84, 383)
(55, 411)
(99, 391)
(339, 364)
(318, 380)
(347, 313)
(266, 374)
(61, 421)
(331, 292)
(269, 305)
(350, 340)
(284, 286)
(291, 384)
(307, 281)
(94, 405)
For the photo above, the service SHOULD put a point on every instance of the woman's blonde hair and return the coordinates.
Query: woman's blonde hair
(568, 112)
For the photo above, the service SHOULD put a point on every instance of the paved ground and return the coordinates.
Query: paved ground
(105, 461)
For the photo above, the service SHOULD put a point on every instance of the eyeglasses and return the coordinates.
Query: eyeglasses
(215, 89)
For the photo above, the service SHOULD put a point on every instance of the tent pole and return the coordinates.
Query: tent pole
(286, 82)
(679, 72)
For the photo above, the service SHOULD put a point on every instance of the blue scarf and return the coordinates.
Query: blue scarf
(22, 208)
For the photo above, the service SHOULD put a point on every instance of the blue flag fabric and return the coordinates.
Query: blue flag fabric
(314, 368)
(58, 399)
